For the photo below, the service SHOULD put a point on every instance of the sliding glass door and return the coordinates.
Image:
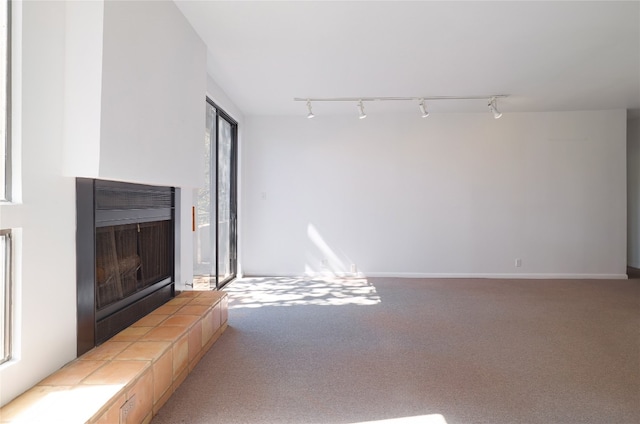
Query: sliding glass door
(226, 200)
(215, 210)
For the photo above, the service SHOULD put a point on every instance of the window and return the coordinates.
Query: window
(5, 294)
(5, 99)
(5, 180)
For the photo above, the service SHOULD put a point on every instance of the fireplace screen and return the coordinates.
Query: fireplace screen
(130, 258)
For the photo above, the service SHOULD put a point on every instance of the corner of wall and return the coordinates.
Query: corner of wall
(83, 87)
(633, 191)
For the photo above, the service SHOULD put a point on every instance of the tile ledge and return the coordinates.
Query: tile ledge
(84, 402)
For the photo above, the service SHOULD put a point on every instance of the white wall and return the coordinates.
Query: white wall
(134, 88)
(151, 80)
(45, 328)
(219, 97)
(153, 89)
(153, 115)
(633, 187)
(83, 87)
(451, 195)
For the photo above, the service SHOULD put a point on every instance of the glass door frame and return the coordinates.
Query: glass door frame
(233, 206)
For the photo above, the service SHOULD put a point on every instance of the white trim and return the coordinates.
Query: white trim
(15, 196)
(531, 276)
(541, 276)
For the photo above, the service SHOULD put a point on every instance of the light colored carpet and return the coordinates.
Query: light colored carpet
(441, 351)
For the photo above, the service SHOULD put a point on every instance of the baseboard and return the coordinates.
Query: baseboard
(307, 275)
(530, 276)
(540, 276)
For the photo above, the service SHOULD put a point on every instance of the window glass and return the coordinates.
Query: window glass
(5, 295)
(4, 98)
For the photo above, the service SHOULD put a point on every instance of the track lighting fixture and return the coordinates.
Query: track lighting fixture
(423, 109)
(493, 102)
(310, 114)
(494, 108)
(361, 108)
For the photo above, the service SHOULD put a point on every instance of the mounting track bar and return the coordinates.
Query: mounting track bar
(375, 99)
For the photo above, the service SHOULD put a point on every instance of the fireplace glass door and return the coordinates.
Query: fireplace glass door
(130, 258)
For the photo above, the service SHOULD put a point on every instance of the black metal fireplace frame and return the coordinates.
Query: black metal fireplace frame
(95, 327)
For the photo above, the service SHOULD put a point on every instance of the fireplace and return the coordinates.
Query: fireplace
(125, 255)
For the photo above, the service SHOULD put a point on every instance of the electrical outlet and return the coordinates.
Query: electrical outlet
(354, 269)
(126, 408)
(325, 262)
(518, 262)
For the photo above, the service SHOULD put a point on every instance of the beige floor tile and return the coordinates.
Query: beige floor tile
(105, 352)
(117, 373)
(163, 333)
(224, 312)
(179, 379)
(150, 320)
(194, 362)
(142, 395)
(166, 310)
(180, 355)
(163, 399)
(197, 310)
(212, 294)
(189, 293)
(31, 405)
(58, 404)
(195, 340)
(181, 321)
(142, 350)
(207, 327)
(112, 414)
(216, 317)
(148, 418)
(72, 373)
(162, 375)
(204, 301)
(131, 334)
(178, 301)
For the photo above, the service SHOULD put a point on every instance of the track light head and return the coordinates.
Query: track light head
(310, 114)
(423, 109)
(494, 108)
(361, 109)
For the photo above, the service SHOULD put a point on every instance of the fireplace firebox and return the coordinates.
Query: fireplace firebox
(125, 255)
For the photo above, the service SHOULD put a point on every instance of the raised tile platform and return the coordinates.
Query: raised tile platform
(128, 378)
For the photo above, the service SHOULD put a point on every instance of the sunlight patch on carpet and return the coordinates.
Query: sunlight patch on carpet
(282, 291)
(418, 419)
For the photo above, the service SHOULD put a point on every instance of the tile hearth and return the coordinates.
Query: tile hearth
(131, 376)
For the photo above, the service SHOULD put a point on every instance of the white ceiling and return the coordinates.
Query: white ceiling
(547, 56)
